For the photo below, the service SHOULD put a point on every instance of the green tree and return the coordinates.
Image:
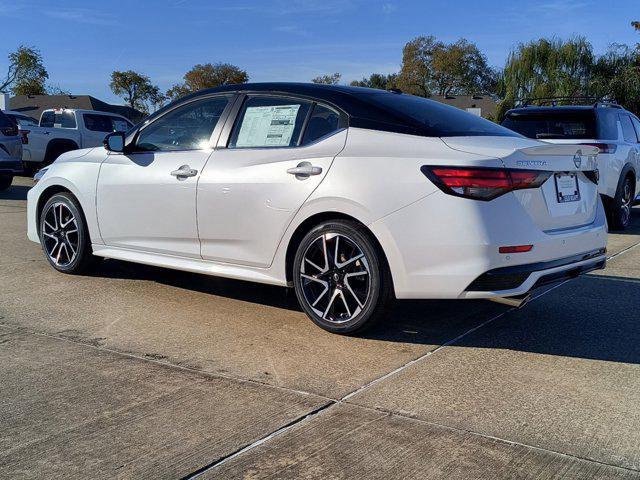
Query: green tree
(136, 89)
(546, 68)
(26, 74)
(331, 79)
(378, 80)
(208, 76)
(431, 67)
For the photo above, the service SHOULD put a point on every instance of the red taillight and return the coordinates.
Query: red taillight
(11, 131)
(25, 136)
(515, 249)
(604, 147)
(483, 183)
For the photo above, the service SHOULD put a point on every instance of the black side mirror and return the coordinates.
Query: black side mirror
(114, 142)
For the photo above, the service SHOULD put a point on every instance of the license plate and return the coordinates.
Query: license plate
(567, 187)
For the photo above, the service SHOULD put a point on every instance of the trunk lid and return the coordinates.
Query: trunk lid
(568, 199)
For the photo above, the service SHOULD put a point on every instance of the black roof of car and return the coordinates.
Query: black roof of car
(351, 100)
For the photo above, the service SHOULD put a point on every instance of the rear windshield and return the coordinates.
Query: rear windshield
(5, 121)
(553, 124)
(51, 119)
(438, 119)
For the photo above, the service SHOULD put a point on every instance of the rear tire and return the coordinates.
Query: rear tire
(5, 182)
(620, 206)
(64, 235)
(341, 279)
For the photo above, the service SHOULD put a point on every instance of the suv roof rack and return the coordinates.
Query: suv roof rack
(595, 102)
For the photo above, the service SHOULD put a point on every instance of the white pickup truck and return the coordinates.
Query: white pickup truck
(65, 129)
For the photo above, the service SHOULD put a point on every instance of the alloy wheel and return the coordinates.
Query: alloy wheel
(60, 234)
(336, 278)
(625, 208)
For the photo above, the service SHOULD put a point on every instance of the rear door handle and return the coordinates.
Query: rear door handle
(304, 170)
(184, 171)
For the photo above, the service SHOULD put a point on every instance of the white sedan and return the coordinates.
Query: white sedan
(351, 196)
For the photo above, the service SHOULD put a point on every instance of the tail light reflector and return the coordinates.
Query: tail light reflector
(25, 136)
(483, 183)
(515, 249)
(604, 147)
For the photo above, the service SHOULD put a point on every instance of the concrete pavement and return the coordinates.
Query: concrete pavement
(136, 371)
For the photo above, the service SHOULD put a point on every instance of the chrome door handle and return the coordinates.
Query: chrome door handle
(304, 170)
(184, 171)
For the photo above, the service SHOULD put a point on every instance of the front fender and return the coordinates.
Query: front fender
(78, 178)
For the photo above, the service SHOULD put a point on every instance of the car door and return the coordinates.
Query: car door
(277, 153)
(146, 199)
(630, 139)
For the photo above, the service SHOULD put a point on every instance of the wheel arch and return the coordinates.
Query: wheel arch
(312, 221)
(58, 143)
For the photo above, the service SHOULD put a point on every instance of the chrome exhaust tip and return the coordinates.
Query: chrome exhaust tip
(515, 302)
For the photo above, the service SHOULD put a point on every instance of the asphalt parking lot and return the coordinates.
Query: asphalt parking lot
(139, 372)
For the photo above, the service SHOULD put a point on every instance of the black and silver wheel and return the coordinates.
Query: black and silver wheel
(341, 281)
(620, 206)
(63, 234)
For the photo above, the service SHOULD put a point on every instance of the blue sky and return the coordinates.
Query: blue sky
(283, 40)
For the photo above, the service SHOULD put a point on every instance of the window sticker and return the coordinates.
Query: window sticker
(268, 126)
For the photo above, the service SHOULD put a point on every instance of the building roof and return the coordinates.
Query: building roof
(34, 105)
(485, 102)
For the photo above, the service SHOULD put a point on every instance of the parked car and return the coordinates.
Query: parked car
(63, 130)
(352, 196)
(611, 128)
(10, 151)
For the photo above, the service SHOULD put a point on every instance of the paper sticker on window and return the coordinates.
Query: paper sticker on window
(268, 126)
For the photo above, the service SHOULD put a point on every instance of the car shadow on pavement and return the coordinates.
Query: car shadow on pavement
(593, 318)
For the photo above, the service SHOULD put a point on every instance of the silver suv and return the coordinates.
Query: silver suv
(10, 151)
(608, 126)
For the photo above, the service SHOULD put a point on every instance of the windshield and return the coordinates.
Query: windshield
(553, 124)
(439, 119)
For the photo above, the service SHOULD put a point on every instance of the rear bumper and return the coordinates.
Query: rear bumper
(439, 246)
(520, 279)
(10, 166)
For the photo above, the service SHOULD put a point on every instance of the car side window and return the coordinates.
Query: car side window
(636, 125)
(188, 127)
(322, 122)
(269, 122)
(97, 123)
(628, 132)
(120, 124)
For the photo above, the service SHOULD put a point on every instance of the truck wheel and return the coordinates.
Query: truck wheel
(54, 151)
(620, 205)
(5, 182)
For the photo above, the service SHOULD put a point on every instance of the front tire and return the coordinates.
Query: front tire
(5, 182)
(341, 278)
(621, 204)
(64, 235)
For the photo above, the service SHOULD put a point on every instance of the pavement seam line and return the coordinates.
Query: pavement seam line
(260, 441)
(491, 437)
(165, 364)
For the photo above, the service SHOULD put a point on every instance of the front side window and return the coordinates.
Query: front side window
(628, 132)
(269, 122)
(188, 127)
(53, 119)
(322, 122)
(120, 124)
